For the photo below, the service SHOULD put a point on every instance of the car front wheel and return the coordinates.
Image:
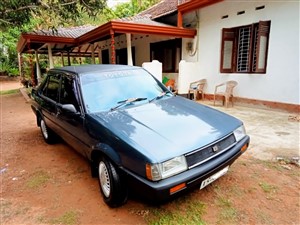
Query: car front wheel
(113, 189)
(48, 134)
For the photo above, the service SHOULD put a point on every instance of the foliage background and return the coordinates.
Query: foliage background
(17, 16)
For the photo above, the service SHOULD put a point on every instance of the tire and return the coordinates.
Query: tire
(48, 135)
(112, 187)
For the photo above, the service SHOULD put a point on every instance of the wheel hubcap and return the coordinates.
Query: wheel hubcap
(104, 179)
(44, 129)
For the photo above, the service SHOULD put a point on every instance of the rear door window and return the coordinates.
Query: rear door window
(51, 87)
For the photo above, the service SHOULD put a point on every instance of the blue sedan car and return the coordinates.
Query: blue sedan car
(136, 134)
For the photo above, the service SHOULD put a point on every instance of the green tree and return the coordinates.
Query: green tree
(8, 43)
(17, 16)
(54, 12)
(129, 9)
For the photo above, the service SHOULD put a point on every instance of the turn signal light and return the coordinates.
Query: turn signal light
(244, 148)
(177, 188)
(148, 171)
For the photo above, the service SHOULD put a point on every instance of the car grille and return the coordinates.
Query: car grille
(202, 155)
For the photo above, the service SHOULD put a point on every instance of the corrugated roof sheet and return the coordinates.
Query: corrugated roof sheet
(71, 32)
(139, 19)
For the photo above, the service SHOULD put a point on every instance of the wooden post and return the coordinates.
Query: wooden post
(62, 59)
(32, 71)
(93, 53)
(100, 56)
(69, 60)
(113, 50)
(179, 19)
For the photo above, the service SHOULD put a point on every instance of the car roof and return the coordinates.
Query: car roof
(81, 69)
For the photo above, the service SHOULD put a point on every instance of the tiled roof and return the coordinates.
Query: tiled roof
(163, 8)
(139, 19)
(71, 32)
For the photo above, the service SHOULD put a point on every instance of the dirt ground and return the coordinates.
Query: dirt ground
(51, 184)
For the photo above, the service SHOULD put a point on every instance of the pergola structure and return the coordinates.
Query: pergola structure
(83, 41)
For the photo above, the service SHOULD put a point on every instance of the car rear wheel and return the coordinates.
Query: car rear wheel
(48, 134)
(113, 188)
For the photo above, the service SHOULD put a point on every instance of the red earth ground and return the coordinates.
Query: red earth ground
(51, 184)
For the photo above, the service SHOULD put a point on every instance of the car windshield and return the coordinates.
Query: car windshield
(103, 91)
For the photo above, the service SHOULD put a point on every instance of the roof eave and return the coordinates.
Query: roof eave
(21, 44)
(125, 27)
(35, 38)
(195, 4)
(134, 28)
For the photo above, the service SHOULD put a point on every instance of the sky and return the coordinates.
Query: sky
(112, 3)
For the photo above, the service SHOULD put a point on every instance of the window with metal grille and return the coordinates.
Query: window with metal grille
(245, 49)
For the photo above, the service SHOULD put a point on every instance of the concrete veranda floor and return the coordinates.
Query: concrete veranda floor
(273, 134)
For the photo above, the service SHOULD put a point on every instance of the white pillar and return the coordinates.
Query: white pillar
(20, 64)
(38, 69)
(129, 53)
(93, 53)
(51, 64)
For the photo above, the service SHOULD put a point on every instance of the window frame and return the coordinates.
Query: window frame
(258, 48)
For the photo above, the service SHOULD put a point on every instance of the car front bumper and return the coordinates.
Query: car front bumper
(159, 191)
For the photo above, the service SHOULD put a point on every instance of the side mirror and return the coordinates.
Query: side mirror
(69, 108)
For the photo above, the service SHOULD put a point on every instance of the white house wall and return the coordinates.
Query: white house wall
(281, 82)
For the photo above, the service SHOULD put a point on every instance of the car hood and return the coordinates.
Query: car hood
(168, 127)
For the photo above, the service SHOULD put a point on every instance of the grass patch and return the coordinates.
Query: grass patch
(228, 214)
(263, 218)
(37, 179)
(186, 211)
(272, 165)
(9, 92)
(5, 209)
(68, 218)
(8, 210)
(268, 188)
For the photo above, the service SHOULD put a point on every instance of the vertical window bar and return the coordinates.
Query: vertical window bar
(255, 42)
(243, 49)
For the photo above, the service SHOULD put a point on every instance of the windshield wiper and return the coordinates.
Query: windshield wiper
(127, 101)
(159, 96)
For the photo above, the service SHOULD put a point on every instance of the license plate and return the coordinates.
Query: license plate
(214, 177)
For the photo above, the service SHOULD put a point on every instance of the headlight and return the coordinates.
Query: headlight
(166, 169)
(239, 133)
